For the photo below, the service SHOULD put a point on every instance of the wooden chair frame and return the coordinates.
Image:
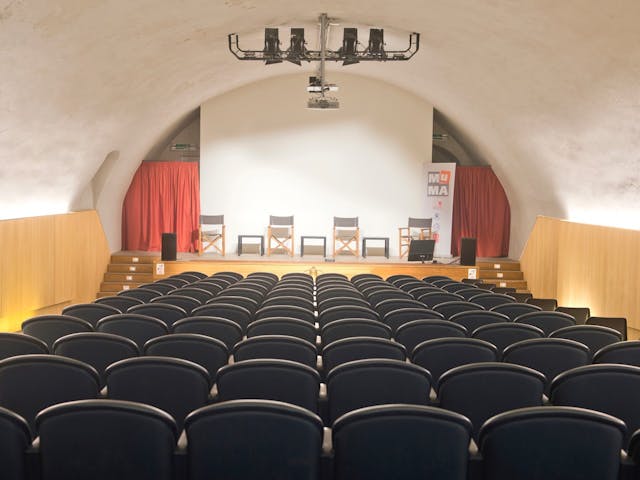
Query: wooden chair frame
(208, 239)
(350, 244)
(281, 241)
(423, 228)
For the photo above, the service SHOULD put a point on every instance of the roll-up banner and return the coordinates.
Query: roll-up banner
(440, 179)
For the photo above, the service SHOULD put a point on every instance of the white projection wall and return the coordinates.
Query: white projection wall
(263, 153)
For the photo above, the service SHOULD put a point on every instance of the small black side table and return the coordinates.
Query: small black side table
(241, 239)
(364, 245)
(308, 237)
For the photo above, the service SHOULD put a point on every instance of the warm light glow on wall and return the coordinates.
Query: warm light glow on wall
(33, 208)
(619, 217)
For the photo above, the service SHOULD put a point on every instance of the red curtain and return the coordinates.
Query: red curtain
(163, 197)
(480, 210)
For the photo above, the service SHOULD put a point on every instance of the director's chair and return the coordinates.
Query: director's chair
(346, 236)
(280, 231)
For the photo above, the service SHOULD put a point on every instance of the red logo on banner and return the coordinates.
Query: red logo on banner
(445, 175)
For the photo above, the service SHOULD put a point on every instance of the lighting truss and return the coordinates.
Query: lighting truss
(350, 52)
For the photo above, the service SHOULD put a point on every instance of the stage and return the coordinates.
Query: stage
(148, 266)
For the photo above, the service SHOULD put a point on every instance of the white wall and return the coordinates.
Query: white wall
(263, 152)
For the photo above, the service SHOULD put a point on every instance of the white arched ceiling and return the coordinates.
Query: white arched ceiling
(546, 92)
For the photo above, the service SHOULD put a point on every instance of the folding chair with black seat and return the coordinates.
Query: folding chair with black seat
(210, 353)
(276, 346)
(353, 327)
(504, 334)
(49, 328)
(223, 329)
(291, 327)
(270, 379)
(15, 438)
(91, 312)
(551, 443)
(593, 336)
(13, 344)
(106, 439)
(626, 352)
(139, 328)
(211, 234)
(360, 348)
(413, 333)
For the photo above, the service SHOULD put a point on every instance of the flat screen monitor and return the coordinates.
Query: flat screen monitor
(421, 250)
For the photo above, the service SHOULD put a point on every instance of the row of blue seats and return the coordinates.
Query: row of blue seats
(253, 439)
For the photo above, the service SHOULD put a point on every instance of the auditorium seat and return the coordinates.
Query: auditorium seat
(330, 302)
(359, 348)
(364, 276)
(207, 352)
(278, 347)
(286, 301)
(625, 352)
(413, 333)
(353, 327)
(507, 290)
(490, 300)
(504, 334)
(546, 304)
(169, 314)
(389, 305)
(158, 286)
(283, 326)
(29, 383)
(377, 295)
(174, 281)
(252, 290)
(186, 303)
(286, 311)
(12, 344)
(551, 443)
(193, 291)
(189, 277)
(617, 323)
(253, 439)
(514, 310)
(474, 319)
(271, 379)
(417, 292)
(272, 278)
(400, 278)
(364, 383)
(454, 287)
(339, 313)
(120, 302)
(49, 328)
(521, 297)
(139, 328)
(291, 290)
(171, 384)
(546, 321)
(229, 298)
(441, 282)
(482, 390)
(581, 314)
(96, 349)
(399, 317)
(228, 331)
(210, 285)
(443, 354)
(550, 356)
(609, 388)
(435, 298)
(337, 291)
(593, 336)
(297, 275)
(237, 314)
(106, 440)
(15, 438)
(401, 442)
(434, 278)
(449, 309)
(91, 312)
(234, 275)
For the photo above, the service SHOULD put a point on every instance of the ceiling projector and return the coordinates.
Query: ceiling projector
(323, 103)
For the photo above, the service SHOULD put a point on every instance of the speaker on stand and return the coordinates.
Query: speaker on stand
(169, 247)
(468, 251)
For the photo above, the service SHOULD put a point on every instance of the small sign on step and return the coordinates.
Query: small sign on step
(500, 275)
(472, 273)
(135, 260)
(129, 278)
(159, 268)
(132, 269)
(496, 266)
(125, 287)
(503, 284)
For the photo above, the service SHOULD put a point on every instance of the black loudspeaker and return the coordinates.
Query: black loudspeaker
(421, 250)
(468, 251)
(169, 246)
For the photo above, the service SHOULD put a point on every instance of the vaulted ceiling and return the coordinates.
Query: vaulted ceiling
(546, 92)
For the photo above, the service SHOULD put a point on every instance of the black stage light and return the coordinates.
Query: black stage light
(349, 48)
(376, 41)
(271, 46)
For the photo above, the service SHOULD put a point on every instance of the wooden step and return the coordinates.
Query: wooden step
(117, 286)
(128, 277)
(517, 284)
(498, 265)
(501, 274)
(130, 268)
(133, 259)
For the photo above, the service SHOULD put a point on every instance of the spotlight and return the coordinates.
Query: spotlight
(376, 42)
(296, 48)
(271, 46)
(349, 48)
